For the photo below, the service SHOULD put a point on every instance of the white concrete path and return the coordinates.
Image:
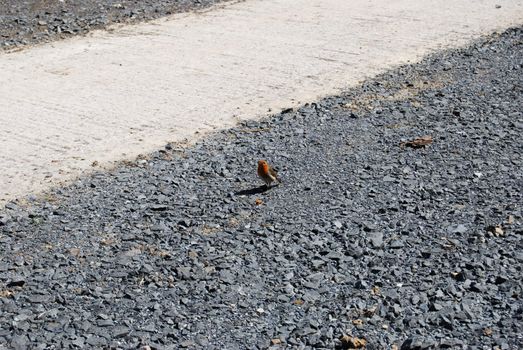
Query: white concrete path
(113, 95)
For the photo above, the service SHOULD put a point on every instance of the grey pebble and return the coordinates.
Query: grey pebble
(176, 252)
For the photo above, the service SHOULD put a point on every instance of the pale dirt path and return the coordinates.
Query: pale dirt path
(114, 95)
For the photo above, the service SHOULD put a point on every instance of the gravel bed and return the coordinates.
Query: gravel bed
(367, 238)
(36, 21)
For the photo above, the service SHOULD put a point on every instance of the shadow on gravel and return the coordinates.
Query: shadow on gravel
(251, 191)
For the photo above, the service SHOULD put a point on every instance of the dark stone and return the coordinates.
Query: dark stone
(16, 282)
(412, 343)
(169, 255)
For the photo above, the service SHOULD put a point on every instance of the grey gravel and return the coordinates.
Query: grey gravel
(36, 21)
(363, 237)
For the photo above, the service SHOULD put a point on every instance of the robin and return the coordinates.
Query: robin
(267, 173)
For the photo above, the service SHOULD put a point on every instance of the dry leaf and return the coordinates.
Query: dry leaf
(487, 332)
(5, 293)
(349, 342)
(107, 241)
(375, 290)
(370, 311)
(298, 302)
(357, 322)
(394, 347)
(496, 230)
(74, 252)
(418, 142)
(258, 201)
(275, 341)
(163, 254)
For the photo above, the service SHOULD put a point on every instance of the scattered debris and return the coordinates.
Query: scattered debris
(368, 312)
(349, 342)
(107, 241)
(357, 322)
(6, 293)
(258, 201)
(418, 142)
(276, 341)
(496, 230)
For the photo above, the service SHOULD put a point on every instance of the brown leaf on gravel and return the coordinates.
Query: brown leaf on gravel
(487, 332)
(298, 302)
(357, 322)
(375, 290)
(418, 142)
(275, 341)
(368, 312)
(258, 201)
(163, 254)
(349, 342)
(5, 293)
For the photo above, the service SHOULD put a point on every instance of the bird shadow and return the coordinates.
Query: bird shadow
(251, 191)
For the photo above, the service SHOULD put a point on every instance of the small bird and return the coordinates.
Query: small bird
(267, 173)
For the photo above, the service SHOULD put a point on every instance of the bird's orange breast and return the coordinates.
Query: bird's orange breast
(263, 169)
